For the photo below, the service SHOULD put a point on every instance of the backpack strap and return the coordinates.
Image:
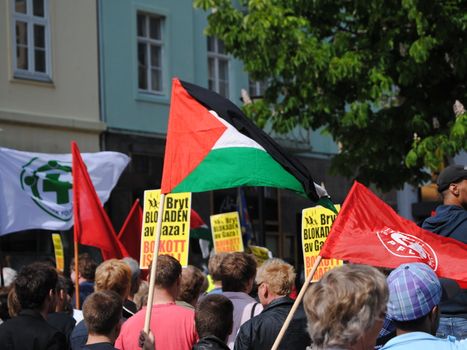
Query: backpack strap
(253, 310)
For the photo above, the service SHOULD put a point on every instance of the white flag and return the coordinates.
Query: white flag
(36, 188)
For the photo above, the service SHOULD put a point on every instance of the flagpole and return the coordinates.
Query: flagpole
(296, 304)
(152, 277)
(76, 270)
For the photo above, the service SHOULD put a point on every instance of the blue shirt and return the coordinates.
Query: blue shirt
(425, 341)
(449, 221)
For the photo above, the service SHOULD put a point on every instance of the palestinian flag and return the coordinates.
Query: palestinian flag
(198, 228)
(212, 145)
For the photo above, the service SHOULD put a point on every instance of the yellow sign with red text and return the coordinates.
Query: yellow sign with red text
(316, 225)
(175, 231)
(58, 248)
(226, 233)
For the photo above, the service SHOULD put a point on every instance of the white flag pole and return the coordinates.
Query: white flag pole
(152, 278)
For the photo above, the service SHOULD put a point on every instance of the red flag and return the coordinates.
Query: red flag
(130, 233)
(368, 231)
(92, 226)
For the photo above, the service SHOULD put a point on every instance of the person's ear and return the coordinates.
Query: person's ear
(454, 189)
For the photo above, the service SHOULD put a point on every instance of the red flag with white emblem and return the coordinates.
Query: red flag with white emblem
(368, 231)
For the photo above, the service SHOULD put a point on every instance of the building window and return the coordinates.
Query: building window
(31, 39)
(150, 42)
(256, 88)
(218, 67)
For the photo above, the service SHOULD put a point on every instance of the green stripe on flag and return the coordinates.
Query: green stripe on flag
(238, 166)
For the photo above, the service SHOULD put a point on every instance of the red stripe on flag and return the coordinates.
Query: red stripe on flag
(191, 134)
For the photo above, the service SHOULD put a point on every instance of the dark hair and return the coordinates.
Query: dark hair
(168, 271)
(413, 325)
(102, 311)
(214, 316)
(191, 284)
(4, 303)
(33, 283)
(86, 266)
(237, 269)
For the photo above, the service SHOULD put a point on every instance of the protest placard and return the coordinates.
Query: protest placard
(175, 231)
(226, 232)
(316, 225)
(261, 254)
(58, 248)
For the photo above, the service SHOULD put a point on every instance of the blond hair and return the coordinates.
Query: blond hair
(344, 304)
(113, 275)
(279, 276)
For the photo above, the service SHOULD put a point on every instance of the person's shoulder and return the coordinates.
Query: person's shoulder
(99, 346)
(421, 340)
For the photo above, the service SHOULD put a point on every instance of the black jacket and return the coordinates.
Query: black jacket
(210, 342)
(29, 331)
(261, 331)
(450, 221)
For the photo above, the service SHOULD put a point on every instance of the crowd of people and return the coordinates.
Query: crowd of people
(240, 305)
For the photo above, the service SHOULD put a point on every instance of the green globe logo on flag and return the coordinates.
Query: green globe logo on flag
(49, 184)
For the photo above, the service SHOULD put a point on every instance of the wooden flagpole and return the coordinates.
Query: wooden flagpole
(296, 304)
(152, 277)
(76, 271)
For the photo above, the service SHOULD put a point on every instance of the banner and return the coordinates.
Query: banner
(58, 248)
(316, 225)
(261, 254)
(36, 188)
(368, 231)
(226, 233)
(175, 231)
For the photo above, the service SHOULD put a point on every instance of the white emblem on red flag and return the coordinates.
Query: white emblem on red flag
(408, 246)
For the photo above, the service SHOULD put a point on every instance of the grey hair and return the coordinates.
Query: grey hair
(345, 304)
(135, 273)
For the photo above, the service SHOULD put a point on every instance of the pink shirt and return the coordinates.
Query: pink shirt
(173, 327)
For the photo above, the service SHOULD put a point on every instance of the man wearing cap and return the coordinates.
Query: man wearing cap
(414, 295)
(451, 217)
(451, 221)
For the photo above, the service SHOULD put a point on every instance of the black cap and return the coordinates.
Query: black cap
(451, 174)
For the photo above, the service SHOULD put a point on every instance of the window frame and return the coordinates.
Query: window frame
(148, 42)
(31, 20)
(217, 58)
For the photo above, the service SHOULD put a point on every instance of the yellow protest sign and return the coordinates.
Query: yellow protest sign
(175, 231)
(226, 233)
(316, 225)
(58, 248)
(261, 254)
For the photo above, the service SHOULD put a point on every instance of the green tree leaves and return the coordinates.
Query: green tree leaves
(371, 73)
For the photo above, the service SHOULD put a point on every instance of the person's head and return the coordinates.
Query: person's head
(35, 286)
(238, 272)
(346, 307)
(135, 274)
(452, 184)
(113, 275)
(168, 272)
(63, 297)
(4, 315)
(102, 312)
(191, 285)
(414, 295)
(86, 268)
(214, 316)
(275, 279)
(214, 266)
